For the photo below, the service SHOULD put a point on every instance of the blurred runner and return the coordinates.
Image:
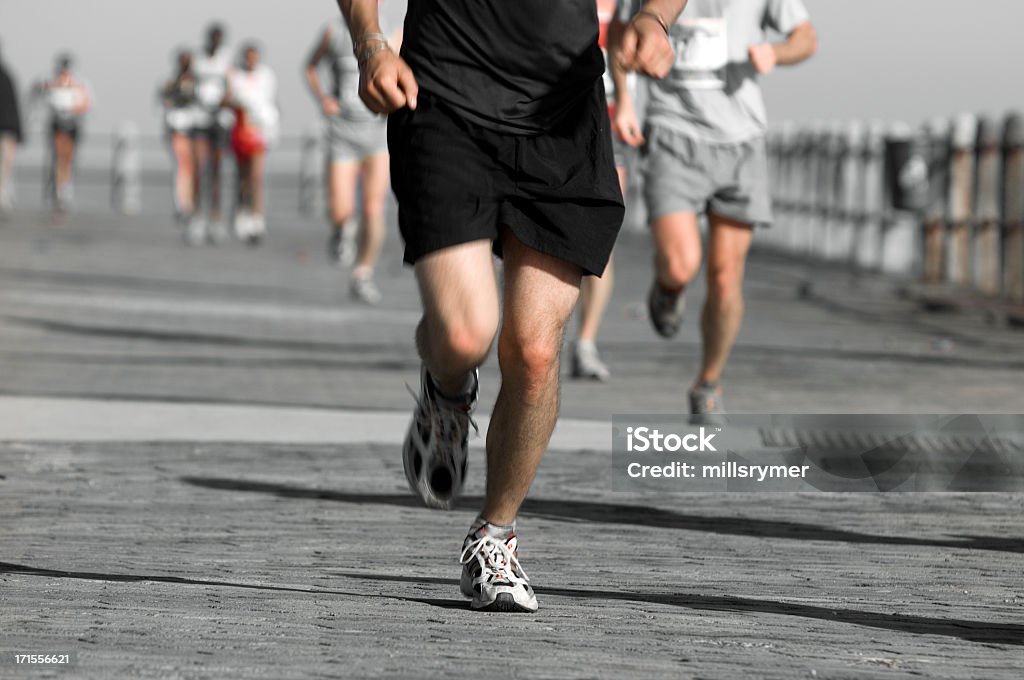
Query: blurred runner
(596, 291)
(499, 139)
(357, 148)
(68, 100)
(704, 151)
(253, 95)
(10, 135)
(178, 96)
(213, 122)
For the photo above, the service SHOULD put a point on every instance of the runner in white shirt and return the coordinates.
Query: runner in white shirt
(68, 100)
(253, 96)
(211, 65)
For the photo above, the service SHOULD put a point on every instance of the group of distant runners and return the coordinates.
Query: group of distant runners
(211, 103)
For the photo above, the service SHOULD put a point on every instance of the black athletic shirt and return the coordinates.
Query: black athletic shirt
(516, 66)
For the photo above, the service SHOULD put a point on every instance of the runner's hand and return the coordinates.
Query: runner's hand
(330, 106)
(386, 83)
(763, 57)
(626, 125)
(645, 48)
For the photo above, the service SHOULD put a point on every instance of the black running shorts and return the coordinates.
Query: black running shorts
(458, 182)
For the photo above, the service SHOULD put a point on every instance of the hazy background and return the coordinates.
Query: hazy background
(890, 59)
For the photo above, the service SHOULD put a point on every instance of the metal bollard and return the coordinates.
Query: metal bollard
(126, 171)
(850, 176)
(832, 248)
(809, 161)
(906, 190)
(787, 182)
(1013, 207)
(961, 198)
(311, 164)
(936, 132)
(872, 198)
(988, 160)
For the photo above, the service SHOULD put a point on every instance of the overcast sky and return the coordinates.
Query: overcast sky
(888, 59)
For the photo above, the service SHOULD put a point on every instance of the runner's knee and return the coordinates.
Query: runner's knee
(725, 282)
(466, 341)
(678, 268)
(532, 356)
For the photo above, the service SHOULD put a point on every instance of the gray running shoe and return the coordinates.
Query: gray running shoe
(218, 233)
(666, 310)
(492, 576)
(195, 231)
(365, 290)
(706, 400)
(586, 363)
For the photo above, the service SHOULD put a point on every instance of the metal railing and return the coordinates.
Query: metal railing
(944, 203)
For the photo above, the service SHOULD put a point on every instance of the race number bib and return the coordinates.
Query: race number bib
(702, 53)
(210, 92)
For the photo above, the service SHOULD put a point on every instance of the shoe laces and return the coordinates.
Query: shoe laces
(497, 559)
(452, 422)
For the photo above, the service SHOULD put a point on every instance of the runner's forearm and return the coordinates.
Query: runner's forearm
(622, 96)
(361, 16)
(800, 45)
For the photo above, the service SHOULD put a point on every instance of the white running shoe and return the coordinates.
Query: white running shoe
(243, 225)
(586, 362)
(436, 445)
(257, 229)
(365, 290)
(195, 231)
(492, 576)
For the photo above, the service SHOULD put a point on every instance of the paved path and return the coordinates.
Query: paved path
(199, 478)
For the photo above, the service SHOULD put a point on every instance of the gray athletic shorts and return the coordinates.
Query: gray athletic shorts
(682, 174)
(352, 141)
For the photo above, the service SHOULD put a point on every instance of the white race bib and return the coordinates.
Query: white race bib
(210, 92)
(702, 53)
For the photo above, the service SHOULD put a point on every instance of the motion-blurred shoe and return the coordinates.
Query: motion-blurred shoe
(586, 362)
(341, 247)
(436, 445)
(666, 310)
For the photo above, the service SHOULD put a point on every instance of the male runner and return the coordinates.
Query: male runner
(212, 66)
(704, 146)
(498, 135)
(357, 147)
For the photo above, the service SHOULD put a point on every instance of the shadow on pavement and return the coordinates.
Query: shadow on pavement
(638, 515)
(972, 631)
(624, 351)
(189, 337)
(10, 568)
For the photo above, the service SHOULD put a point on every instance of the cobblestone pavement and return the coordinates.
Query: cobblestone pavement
(176, 501)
